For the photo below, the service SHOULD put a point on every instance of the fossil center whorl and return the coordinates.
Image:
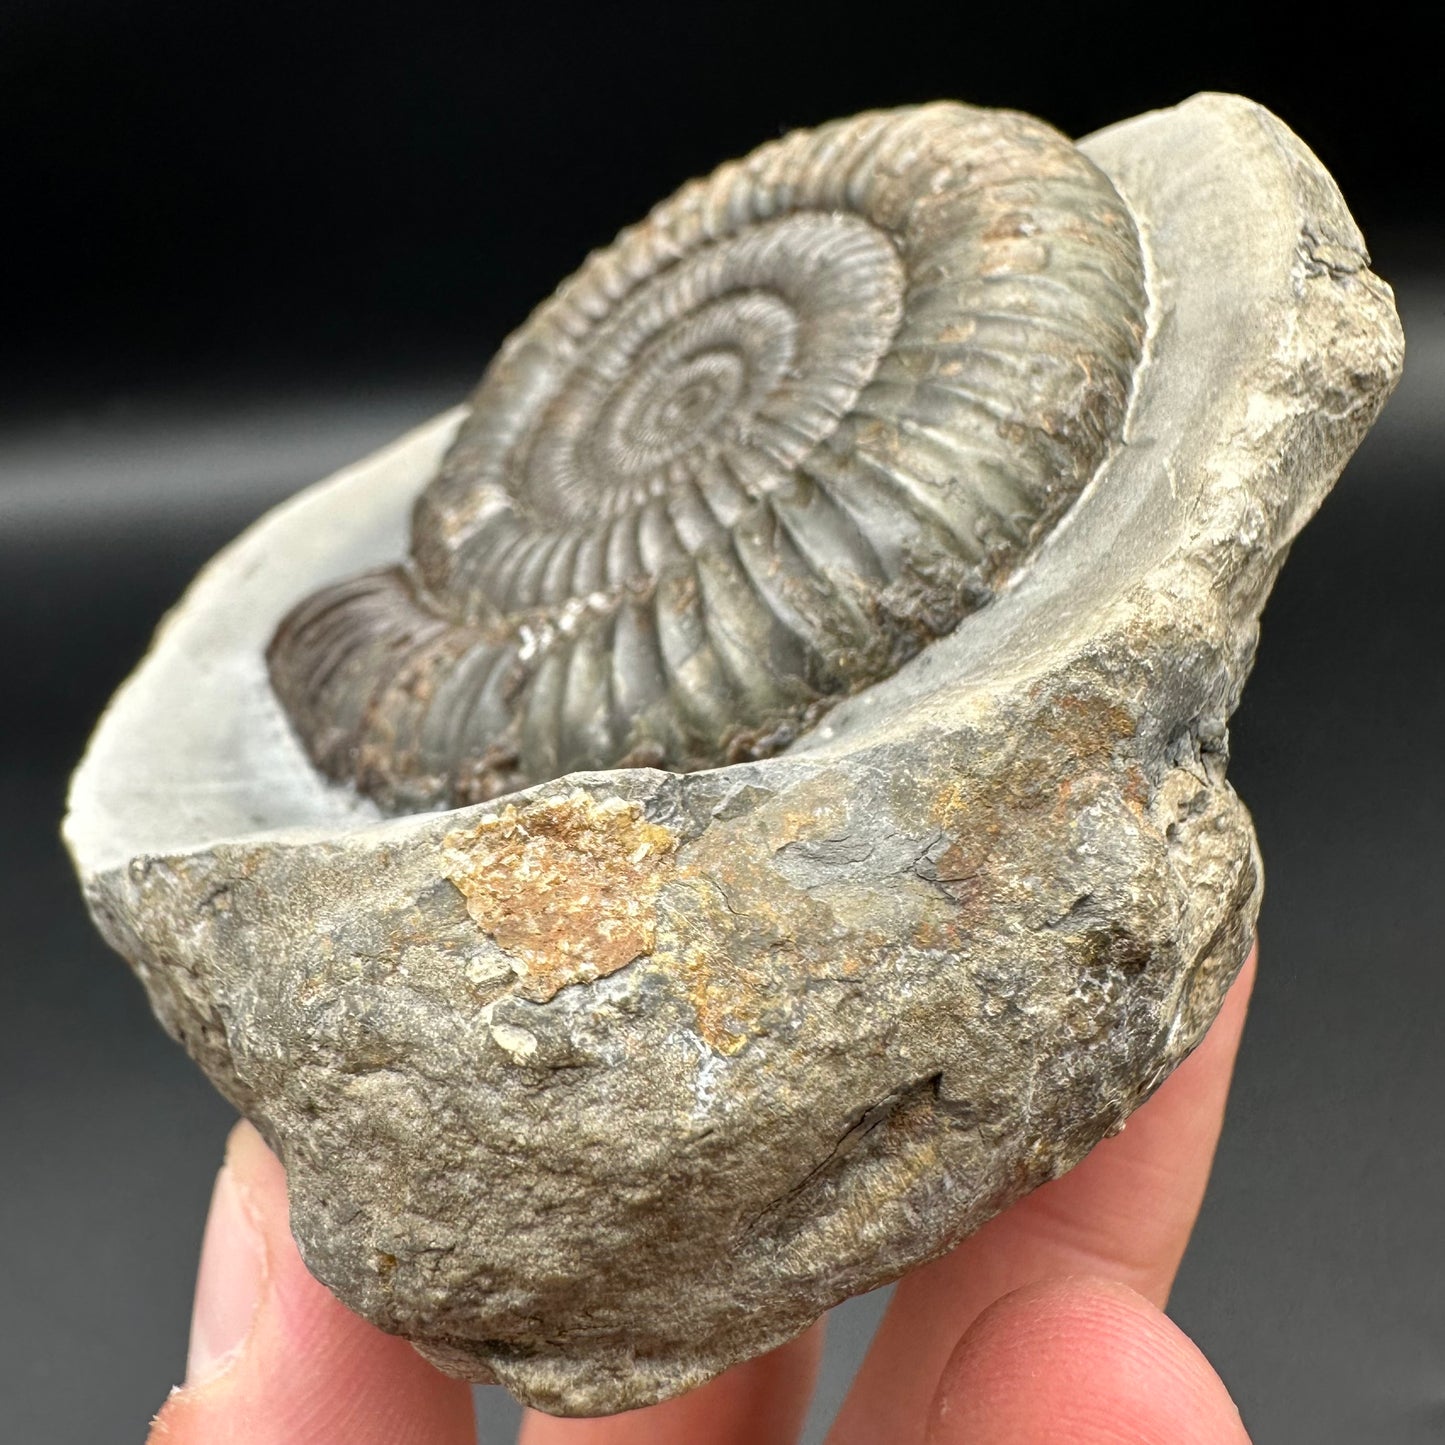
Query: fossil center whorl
(698, 391)
(750, 458)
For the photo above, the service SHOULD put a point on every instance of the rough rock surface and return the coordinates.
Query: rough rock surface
(601, 1088)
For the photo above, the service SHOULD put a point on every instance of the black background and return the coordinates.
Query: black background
(356, 185)
(249, 242)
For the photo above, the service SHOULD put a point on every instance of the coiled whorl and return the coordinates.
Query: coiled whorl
(750, 458)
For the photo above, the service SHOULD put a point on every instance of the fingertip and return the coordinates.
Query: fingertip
(1082, 1359)
(1222, 1037)
(231, 1277)
(291, 1362)
(249, 1156)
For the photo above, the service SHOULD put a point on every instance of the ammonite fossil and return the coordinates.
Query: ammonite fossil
(691, 834)
(754, 456)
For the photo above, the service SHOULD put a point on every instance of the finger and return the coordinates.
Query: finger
(274, 1358)
(762, 1402)
(1125, 1213)
(1083, 1360)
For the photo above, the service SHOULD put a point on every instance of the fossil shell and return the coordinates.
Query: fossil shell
(601, 1087)
(752, 457)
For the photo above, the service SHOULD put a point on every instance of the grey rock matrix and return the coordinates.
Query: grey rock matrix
(599, 1087)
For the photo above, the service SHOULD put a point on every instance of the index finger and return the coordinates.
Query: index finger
(1125, 1213)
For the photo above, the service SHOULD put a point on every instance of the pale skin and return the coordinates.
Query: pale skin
(1045, 1326)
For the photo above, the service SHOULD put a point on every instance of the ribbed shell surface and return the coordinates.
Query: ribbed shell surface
(752, 457)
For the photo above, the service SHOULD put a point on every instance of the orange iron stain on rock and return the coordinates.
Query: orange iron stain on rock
(567, 886)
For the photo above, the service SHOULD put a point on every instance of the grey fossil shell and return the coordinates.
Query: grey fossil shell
(751, 458)
(599, 1088)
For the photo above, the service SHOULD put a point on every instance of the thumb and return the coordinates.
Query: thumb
(274, 1358)
(1085, 1360)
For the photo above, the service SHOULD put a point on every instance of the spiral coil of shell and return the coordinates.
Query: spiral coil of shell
(754, 456)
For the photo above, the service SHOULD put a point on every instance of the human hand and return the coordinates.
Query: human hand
(1044, 1326)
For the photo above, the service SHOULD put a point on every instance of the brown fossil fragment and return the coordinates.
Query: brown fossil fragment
(600, 1087)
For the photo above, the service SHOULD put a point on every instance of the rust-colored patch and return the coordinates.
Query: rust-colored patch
(1032, 784)
(568, 886)
(744, 942)
(725, 994)
(1092, 725)
(744, 946)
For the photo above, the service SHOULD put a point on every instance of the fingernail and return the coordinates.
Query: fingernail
(228, 1284)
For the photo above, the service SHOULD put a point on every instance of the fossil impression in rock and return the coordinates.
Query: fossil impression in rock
(779, 436)
(691, 834)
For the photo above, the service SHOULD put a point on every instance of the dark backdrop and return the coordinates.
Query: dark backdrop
(248, 243)
(353, 183)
